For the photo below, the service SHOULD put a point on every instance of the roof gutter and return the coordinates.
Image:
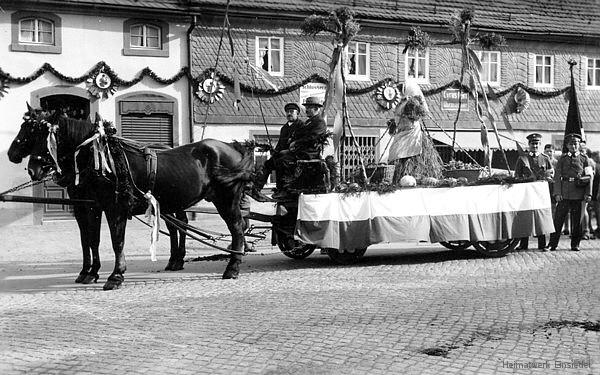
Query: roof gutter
(190, 78)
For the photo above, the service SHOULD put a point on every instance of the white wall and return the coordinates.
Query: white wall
(86, 40)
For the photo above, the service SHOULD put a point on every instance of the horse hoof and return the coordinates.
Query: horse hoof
(178, 265)
(113, 282)
(90, 278)
(80, 278)
(169, 267)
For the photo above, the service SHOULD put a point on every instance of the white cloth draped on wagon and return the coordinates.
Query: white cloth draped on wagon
(471, 213)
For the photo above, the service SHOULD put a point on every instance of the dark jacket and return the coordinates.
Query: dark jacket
(568, 169)
(285, 133)
(309, 138)
(539, 168)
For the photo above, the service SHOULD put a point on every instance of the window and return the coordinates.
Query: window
(269, 55)
(544, 70)
(417, 65)
(593, 73)
(358, 60)
(36, 32)
(145, 38)
(490, 64)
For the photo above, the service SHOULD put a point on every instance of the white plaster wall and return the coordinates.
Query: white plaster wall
(86, 40)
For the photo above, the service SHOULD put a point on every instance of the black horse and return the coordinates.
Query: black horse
(184, 175)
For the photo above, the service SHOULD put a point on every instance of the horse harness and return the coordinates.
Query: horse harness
(151, 165)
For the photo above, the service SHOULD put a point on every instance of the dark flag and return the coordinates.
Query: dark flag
(574, 124)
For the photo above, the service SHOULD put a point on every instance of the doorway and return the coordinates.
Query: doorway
(72, 106)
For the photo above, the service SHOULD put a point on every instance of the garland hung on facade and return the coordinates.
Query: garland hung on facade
(360, 91)
(104, 70)
(101, 79)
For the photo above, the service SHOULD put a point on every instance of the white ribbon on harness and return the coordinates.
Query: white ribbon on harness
(153, 213)
(99, 151)
(52, 144)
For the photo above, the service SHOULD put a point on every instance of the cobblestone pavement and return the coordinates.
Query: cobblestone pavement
(406, 308)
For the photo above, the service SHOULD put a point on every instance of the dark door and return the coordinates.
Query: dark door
(74, 107)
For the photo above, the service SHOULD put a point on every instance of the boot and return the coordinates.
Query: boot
(260, 180)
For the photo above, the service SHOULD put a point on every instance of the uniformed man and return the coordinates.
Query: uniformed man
(306, 141)
(571, 190)
(292, 111)
(534, 166)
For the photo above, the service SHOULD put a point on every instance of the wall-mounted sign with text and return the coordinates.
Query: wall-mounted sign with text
(450, 100)
(312, 89)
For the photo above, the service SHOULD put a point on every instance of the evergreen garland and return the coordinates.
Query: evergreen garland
(101, 66)
(7, 78)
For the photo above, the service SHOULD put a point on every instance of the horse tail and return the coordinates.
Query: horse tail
(240, 173)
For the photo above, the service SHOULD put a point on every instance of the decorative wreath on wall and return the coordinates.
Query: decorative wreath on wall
(101, 85)
(3, 88)
(210, 89)
(388, 95)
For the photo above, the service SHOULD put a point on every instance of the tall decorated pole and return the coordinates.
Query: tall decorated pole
(339, 22)
(470, 71)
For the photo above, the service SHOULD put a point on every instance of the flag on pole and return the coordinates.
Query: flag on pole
(574, 124)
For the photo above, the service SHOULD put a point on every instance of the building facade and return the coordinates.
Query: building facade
(532, 69)
(124, 60)
(58, 55)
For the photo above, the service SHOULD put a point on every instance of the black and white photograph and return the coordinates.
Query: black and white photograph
(299, 187)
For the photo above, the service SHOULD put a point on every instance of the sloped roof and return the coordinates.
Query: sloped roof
(178, 6)
(554, 17)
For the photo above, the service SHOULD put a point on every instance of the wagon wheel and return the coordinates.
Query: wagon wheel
(496, 249)
(346, 257)
(293, 248)
(456, 245)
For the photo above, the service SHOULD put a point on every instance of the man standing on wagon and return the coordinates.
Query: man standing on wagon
(535, 165)
(572, 187)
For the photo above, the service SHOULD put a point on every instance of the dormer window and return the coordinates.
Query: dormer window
(145, 38)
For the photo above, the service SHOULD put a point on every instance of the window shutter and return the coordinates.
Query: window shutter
(155, 128)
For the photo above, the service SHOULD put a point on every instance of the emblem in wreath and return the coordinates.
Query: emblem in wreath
(211, 89)
(101, 85)
(3, 88)
(388, 95)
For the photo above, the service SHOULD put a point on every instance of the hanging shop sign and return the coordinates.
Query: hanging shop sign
(450, 100)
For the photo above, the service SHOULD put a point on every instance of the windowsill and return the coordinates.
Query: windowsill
(592, 88)
(359, 78)
(35, 48)
(145, 52)
(423, 81)
(546, 86)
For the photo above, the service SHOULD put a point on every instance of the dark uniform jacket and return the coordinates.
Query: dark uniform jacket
(309, 137)
(570, 166)
(539, 168)
(285, 133)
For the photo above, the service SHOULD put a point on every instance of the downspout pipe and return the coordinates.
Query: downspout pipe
(190, 80)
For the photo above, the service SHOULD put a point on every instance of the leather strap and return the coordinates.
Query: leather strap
(151, 165)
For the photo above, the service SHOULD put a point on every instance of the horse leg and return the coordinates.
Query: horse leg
(229, 210)
(94, 219)
(81, 217)
(177, 244)
(117, 221)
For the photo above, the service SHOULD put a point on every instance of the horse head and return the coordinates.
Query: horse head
(31, 140)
